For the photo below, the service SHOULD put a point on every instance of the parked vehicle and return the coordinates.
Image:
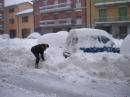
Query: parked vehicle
(89, 40)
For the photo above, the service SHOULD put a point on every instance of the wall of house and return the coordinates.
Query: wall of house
(27, 25)
(17, 25)
(72, 13)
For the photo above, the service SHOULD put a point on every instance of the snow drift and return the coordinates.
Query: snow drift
(34, 35)
(15, 54)
(97, 75)
(125, 47)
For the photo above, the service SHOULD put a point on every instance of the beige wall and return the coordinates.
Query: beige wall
(25, 6)
(18, 25)
(28, 25)
(112, 11)
(9, 16)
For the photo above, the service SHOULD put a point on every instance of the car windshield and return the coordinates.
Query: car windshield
(103, 39)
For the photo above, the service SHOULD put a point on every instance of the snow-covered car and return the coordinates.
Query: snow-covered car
(89, 40)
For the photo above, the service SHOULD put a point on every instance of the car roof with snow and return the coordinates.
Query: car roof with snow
(90, 32)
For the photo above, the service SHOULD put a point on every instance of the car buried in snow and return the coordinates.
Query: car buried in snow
(90, 41)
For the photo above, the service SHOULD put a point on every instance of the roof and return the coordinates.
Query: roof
(15, 2)
(25, 11)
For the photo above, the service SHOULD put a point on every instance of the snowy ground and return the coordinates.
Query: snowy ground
(81, 75)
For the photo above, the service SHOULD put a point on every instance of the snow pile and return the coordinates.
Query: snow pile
(34, 35)
(55, 40)
(4, 36)
(125, 47)
(81, 67)
(98, 73)
(56, 43)
(17, 43)
(118, 42)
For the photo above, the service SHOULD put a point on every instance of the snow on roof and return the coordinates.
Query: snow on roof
(15, 2)
(89, 31)
(25, 11)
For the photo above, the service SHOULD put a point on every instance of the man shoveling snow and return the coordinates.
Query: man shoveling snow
(39, 49)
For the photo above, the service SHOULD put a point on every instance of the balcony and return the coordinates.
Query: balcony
(119, 19)
(56, 7)
(110, 2)
(57, 22)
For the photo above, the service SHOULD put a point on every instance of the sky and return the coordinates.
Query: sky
(13, 2)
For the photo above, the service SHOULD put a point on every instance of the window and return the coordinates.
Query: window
(102, 14)
(44, 2)
(101, 1)
(11, 21)
(11, 10)
(68, 1)
(25, 33)
(79, 20)
(55, 16)
(56, 2)
(103, 39)
(24, 19)
(12, 33)
(78, 3)
(123, 13)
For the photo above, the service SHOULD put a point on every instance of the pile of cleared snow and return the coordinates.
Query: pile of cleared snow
(15, 56)
(17, 43)
(125, 47)
(56, 43)
(118, 42)
(4, 36)
(81, 67)
(34, 35)
(55, 40)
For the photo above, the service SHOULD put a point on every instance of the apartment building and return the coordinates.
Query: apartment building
(19, 20)
(1, 16)
(112, 16)
(56, 15)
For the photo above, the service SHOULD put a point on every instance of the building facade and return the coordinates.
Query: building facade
(56, 15)
(19, 20)
(112, 16)
(1, 16)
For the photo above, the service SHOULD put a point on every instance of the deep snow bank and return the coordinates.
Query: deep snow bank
(125, 47)
(34, 35)
(55, 40)
(15, 56)
(77, 68)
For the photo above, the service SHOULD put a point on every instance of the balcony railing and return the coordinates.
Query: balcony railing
(56, 7)
(110, 2)
(57, 22)
(119, 19)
